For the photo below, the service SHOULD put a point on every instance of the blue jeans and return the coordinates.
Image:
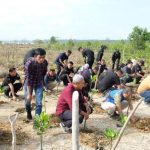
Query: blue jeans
(39, 96)
(146, 95)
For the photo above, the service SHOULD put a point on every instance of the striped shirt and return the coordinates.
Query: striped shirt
(35, 72)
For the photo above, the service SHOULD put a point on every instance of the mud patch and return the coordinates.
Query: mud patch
(54, 120)
(93, 138)
(2, 102)
(98, 110)
(142, 124)
(6, 136)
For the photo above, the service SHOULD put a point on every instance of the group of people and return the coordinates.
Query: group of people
(107, 81)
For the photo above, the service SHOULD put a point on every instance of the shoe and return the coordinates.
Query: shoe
(29, 115)
(115, 116)
(64, 128)
(16, 95)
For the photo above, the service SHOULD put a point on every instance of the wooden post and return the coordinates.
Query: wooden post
(75, 121)
(12, 120)
(124, 126)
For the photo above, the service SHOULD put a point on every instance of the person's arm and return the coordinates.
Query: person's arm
(68, 78)
(12, 90)
(117, 101)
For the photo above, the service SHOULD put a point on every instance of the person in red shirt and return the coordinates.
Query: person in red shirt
(64, 105)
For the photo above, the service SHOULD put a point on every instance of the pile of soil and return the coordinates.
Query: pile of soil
(92, 138)
(98, 110)
(143, 125)
(2, 102)
(6, 135)
(54, 120)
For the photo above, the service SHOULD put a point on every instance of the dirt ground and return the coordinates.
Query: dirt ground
(55, 139)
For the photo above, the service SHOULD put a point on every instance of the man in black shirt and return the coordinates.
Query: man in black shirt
(9, 85)
(116, 56)
(101, 53)
(67, 74)
(127, 74)
(88, 56)
(137, 70)
(61, 61)
(108, 79)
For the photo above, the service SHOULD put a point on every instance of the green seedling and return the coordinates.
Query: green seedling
(110, 134)
(93, 78)
(123, 119)
(1, 89)
(41, 124)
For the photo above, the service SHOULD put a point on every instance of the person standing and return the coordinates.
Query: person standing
(35, 69)
(101, 53)
(116, 56)
(88, 56)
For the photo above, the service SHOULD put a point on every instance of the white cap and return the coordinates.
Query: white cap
(86, 66)
(77, 78)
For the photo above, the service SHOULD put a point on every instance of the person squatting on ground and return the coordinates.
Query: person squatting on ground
(10, 87)
(116, 56)
(109, 80)
(101, 53)
(67, 74)
(144, 89)
(137, 70)
(50, 80)
(88, 56)
(61, 62)
(64, 105)
(35, 69)
(116, 101)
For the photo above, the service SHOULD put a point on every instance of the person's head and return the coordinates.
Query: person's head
(103, 62)
(95, 69)
(141, 62)
(127, 93)
(86, 67)
(68, 53)
(39, 55)
(80, 49)
(119, 73)
(12, 72)
(70, 64)
(129, 64)
(78, 81)
(52, 72)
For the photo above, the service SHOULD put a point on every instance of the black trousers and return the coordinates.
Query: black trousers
(17, 87)
(116, 61)
(58, 71)
(90, 62)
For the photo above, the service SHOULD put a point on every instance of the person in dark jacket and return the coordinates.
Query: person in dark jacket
(101, 53)
(67, 74)
(61, 62)
(88, 56)
(116, 56)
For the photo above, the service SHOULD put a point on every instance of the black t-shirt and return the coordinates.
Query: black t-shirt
(62, 57)
(137, 69)
(100, 54)
(67, 71)
(9, 79)
(29, 54)
(107, 80)
(88, 53)
(116, 55)
(126, 70)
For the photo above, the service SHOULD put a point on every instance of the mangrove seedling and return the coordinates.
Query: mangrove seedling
(41, 124)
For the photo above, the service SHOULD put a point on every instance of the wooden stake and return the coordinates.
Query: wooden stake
(124, 126)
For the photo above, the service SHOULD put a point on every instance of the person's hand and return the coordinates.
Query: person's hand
(71, 74)
(29, 97)
(88, 110)
(86, 116)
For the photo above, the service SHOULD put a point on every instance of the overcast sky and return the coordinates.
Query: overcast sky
(72, 19)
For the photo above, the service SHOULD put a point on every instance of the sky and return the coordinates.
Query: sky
(72, 19)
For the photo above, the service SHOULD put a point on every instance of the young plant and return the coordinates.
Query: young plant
(110, 134)
(1, 89)
(123, 119)
(41, 124)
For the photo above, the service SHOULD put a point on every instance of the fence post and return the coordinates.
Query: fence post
(75, 121)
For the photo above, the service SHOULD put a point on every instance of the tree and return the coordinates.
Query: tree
(38, 41)
(138, 37)
(53, 40)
